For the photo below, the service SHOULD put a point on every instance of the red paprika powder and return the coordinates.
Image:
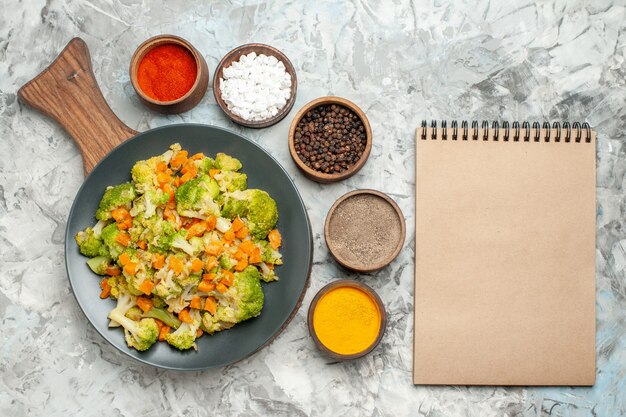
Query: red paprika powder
(167, 72)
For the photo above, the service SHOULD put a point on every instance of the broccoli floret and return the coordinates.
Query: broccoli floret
(226, 262)
(165, 316)
(139, 334)
(185, 336)
(196, 198)
(144, 172)
(205, 164)
(244, 297)
(235, 205)
(230, 181)
(109, 235)
(158, 234)
(227, 162)
(268, 253)
(267, 275)
(257, 207)
(119, 196)
(88, 243)
(99, 264)
(212, 324)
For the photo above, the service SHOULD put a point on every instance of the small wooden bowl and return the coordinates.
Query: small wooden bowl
(354, 284)
(235, 55)
(195, 93)
(376, 263)
(320, 176)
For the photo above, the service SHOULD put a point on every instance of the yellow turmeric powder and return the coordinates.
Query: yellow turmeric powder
(346, 320)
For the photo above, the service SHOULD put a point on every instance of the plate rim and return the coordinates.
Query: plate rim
(70, 239)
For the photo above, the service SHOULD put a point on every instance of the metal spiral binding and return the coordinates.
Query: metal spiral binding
(542, 132)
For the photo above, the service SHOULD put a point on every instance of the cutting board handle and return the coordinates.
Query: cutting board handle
(68, 92)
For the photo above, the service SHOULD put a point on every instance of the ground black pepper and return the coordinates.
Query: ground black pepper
(330, 138)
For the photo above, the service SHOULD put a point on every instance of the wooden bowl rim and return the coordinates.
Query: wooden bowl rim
(380, 264)
(259, 48)
(152, 43)
(320, 176)
(353, 284)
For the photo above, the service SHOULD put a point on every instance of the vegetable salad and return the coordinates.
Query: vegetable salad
(183, 248)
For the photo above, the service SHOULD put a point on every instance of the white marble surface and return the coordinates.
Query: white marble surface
(401, 62)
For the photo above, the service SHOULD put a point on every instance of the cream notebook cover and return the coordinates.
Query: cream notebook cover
(505, 255)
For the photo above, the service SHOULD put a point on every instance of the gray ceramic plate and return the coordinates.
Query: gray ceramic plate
(282, 298)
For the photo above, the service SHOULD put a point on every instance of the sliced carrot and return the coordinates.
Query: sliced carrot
(168, 214)
(158, 261)
(196, 265)
(196, 303)
(145, 304)
(221, 288)
(177, 181)
(120, 214)
(142, 244)
(227, 278)
(125, 225)
(189, 166)
(179, 159)
(238, 255)
(146, 287)
(212, 172)
(106, 288)
(229, 236)
(130, 268)
(210, 305)
(210, 223)
(187, 177)
(163, 178)
(161, 166)
(211, 263)
(171, 204)
(247, 247)
(185, 316)
(241, 265)
(113, 271)
(124, 259)
(274, 238)
(206, 286)
(237, 224)
(165, 330)
(209, 277)
(199, 333)
(159, 324)
(214, 248)
(196, 229)
(197, 156)
(255, 256)
(123, 239)
(176, 264)
(167, 188)
(242, 233)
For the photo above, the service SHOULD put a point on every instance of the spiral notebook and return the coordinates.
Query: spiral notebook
(504, 254)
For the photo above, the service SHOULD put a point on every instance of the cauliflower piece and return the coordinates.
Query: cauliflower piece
(230, 181)
(192, 247)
